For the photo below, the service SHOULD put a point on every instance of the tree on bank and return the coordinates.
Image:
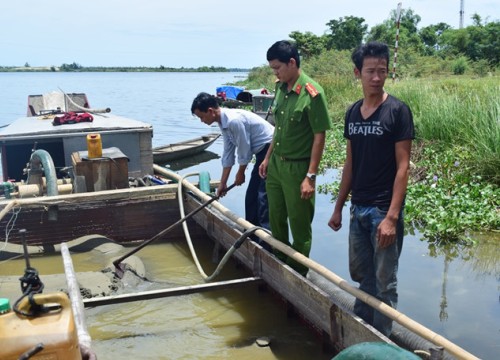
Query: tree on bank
(476, 43)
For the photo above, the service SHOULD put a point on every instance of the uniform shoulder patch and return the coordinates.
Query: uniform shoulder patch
(311, 90)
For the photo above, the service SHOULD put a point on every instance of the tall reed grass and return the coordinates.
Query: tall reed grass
(458, 111)
(454, 110)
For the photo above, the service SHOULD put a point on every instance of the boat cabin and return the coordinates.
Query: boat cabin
(59, 124)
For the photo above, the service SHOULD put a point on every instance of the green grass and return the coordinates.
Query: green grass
(458, 111)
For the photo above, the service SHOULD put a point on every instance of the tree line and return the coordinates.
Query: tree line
(75, 67)
(475, 43)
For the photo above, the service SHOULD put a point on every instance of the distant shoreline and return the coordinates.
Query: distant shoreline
(77, 68)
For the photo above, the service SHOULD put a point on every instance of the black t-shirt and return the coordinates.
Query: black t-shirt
(373, 149)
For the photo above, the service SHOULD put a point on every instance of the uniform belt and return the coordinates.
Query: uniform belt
(284, 158)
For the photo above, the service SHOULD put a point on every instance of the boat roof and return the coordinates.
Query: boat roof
(40, 126)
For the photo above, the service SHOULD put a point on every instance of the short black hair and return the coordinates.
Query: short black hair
(203, 101)
(283, 51)
(370, 49)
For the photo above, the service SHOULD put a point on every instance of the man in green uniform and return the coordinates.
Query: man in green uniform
(301, 120)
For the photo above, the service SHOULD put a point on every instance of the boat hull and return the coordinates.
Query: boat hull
(183, 149)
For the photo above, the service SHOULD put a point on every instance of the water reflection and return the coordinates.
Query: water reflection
(443, 315)
(485, 257)
(192, 160)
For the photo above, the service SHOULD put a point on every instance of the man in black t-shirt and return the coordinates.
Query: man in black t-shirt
(379, 131)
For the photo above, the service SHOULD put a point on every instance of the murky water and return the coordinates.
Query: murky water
(454, 292)
(214, 325)
(222, 324)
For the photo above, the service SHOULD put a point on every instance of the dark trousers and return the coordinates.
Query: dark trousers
(256, 206)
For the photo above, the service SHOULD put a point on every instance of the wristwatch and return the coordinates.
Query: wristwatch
(311, 176)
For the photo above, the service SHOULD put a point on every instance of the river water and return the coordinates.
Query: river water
(454, 292)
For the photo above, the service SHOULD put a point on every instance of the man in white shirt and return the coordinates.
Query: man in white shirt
(244, 133)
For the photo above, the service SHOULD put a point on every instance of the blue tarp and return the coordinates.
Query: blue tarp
(230, 91)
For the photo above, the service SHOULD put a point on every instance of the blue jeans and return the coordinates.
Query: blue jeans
(373, 268)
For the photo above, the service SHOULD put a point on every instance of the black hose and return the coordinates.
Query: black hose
(400, 335)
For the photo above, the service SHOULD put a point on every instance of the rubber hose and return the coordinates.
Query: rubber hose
(43, 157)
(400, 335)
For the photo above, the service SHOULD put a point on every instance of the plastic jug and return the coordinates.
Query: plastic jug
(55, 330)
(94, 146)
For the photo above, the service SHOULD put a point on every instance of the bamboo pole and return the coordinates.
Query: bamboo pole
(383, 308)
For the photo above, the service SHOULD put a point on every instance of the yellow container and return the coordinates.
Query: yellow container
(94, 146)
(55, 330)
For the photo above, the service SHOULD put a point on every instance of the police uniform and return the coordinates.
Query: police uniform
(298, 115)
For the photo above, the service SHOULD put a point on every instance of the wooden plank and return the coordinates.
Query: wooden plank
(146, 155)
(84, 338)
(178, 291)
(124, 215)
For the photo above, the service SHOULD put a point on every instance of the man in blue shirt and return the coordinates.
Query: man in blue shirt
(244, 133)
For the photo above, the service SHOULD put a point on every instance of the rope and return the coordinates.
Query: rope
(12, 221)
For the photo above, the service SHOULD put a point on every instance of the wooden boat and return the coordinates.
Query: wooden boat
(182, 149)
(133, 215)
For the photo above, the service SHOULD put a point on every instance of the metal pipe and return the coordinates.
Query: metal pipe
(93, 111)
(7, 188)
(117, 262)
(76, 299)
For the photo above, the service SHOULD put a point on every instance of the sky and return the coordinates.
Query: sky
(188, 33)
